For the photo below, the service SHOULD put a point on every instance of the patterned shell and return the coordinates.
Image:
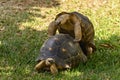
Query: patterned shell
(62, 49)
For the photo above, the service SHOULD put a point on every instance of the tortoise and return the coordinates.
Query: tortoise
(59, 52)
(76, 25)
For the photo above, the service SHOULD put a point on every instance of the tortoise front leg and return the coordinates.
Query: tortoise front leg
(78, 32)
(40, 65)
(53, 69)
(52, 29)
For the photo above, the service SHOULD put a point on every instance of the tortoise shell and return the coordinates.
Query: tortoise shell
(63, 50)
(65, 23)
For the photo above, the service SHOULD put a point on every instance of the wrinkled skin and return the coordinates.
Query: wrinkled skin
(76, 25)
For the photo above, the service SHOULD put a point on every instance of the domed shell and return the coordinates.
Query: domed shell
(62, 49)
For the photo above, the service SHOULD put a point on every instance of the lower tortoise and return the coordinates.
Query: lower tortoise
(59, 52)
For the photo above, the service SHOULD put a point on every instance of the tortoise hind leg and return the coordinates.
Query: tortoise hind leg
(92, 45)
(40, 65)
(53, 69)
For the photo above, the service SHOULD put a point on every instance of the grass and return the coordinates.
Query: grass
(23, 29)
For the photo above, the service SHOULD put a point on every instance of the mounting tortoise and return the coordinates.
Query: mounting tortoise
(59, 52)
(76, 25)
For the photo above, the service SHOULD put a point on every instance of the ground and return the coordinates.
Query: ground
(23, 29)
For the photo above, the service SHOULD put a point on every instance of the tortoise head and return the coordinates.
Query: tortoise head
(49, 61)
(62, 18)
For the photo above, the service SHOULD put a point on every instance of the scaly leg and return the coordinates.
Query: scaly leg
(40, 65)
(53, 69)
(78, 32)
(52, 29)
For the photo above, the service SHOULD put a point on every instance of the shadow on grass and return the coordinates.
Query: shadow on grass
(18, 50)
(18, 47)
(105, 61)
(35, 3)
(18, 11)
(102, 65)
